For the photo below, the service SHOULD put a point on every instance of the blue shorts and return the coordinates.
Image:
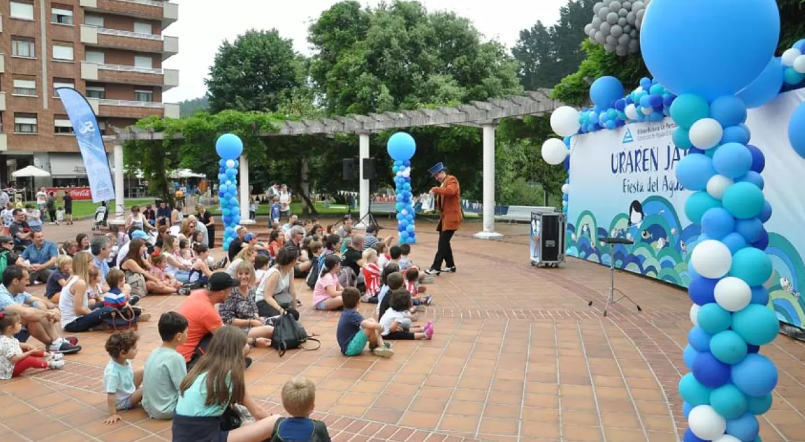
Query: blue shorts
(357, 344)
(321, 305)
(125, 404)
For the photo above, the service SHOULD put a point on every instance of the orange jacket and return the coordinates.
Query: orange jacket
(450, 207)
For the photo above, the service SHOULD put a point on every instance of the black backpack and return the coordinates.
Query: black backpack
(315, 271)
(289, 334)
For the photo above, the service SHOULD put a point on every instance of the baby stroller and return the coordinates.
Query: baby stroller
(100, 217)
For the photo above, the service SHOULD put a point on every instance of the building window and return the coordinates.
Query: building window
(62, 51)
(57, 83)
(25, 123)
(96, 92)
(61, 16)
(25, 87)
(93, 20)
(143, 61)
(95, 57)
(146, 96)
(22, 10)
(23, 47)
(62, 125)
(142, 28)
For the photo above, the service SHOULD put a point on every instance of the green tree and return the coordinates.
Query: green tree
(546, 55)
(258, 72)
(189, 107)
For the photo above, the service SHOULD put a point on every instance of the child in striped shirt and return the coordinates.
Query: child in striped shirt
(412, 285)
(371, 272)
(117, 299)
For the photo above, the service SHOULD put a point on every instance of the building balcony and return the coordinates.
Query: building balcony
(134, 109)
(164, 11)
(2, 101)
(125, 74)
(93, 36)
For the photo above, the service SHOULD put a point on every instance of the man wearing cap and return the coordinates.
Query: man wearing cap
(447, 200)
(124, 251)
(202, 316)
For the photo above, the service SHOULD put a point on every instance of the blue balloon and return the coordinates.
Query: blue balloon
(799, 45)
(734, 241)
(763, 242)
(620, 104)
(226, 246)
(699, 339)
(713, 319)
(792, 77)
(698, 204)
(689, 355)
(758, 160)
(717, 223)
(765, 212)
(407, 163)
(752, 265)
(686, 408)
(645, 101)
(709, 371)
(796, 130)
(760, 295)
(690, 437)
(400, 227)
(411, 239)
(404, 235)
(735, 134)
(728, 110)
(724, 47)
(745, 428)
(756, 375)
(694, 171)
(645, 83)
(728, 347)
(757, 325)
(225, 212)
(688, 109)
(701, 291)
(754, 178)
(728, 401)
(751, 229)
(743, 200)
(765, 87)
(693, 392)
(732, 160)
(605, 90)
(229, 146)
(401, 146)
(681, 138)
(233, 201)
(759, 404)
(753, 348)
(410, 228)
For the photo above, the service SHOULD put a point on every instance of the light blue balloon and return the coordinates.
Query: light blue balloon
(760, 295)
(796, 130)
(732, 160)
(717, 223)
(792, 77)
(765, 87)
(743, 200)
(689, 355)
(728, 347)
(757, 325)
(229, 146)
(688, 109)
(754, 178)
(693, 392)
(765, 212)
(751, 265)
(734, 241)
(728, 401)
(694, 170)
(233, 202)
(751, 229)
(686, 408)
(699, 339)
(759, 404)
(728, 110)
(725, 44)
(225, 212)
(401, 146)
(713, 319)
(735, 134)
(698, 204)
(756, 375)
(681, 138)
(605, 90)
(745, 428)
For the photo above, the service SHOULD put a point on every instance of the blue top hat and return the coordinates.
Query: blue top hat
(436, 168)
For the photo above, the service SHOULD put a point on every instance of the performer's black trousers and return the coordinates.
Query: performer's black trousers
(444, 252)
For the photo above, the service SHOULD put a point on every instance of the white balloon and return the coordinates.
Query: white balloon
(554, 151)
(790, 55)
(727, 438)
(230, 163)
(404, 211)
(799, 64)
(406, 172)
(706, 133)
(646, 110)
(733, 294)
(564, 203)
(565, 121)
(706, 423)
(711, 259)
(694, 314)
(565, 188)
(717, 185)
(631, 112)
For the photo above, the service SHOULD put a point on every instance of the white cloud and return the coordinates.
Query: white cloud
(204, 24)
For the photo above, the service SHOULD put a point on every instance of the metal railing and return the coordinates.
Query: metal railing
(153, 105)
(128, 68)
(119, 33)
(145, 2)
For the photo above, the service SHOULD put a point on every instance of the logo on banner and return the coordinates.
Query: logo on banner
(87, 129)
(627, 138)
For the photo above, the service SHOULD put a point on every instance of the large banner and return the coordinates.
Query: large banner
(90, 142)
(623, 184)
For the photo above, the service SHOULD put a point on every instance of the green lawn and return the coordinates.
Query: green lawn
(296, 207)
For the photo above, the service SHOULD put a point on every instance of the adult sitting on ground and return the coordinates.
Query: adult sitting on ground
(39, 317)
(138, 274)
(346, 227)
(137, 221)
(240, 310)
(303, 262)
(8, 257)
(276, 295)
(370, 239)
(77, 313)
(237, 244)
(42, 256)
(202, 316)
(100, 249)
(177, 267)
(82, 239)
(124, 251)
(164, 214)
(20, 230)
(353, 256)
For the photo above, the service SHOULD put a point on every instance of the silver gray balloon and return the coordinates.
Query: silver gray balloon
(587, 28)
(603, 13)
(615, 5)
(630, 17)
(609, 48)
(616, 31)
(612, 18)
(597, 7)
(600, 37)
(634, 46)
(624, 39)
(622, 51)
(634, 33)
(622, 12)
(615, 25)
(627, 29)
(625, 5)
(596, 22)
(611, 40)
(605, 28)
(622, 21)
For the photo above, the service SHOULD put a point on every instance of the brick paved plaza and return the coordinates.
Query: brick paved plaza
(517, 356)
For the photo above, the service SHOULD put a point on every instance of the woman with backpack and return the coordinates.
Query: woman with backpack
(276, 295)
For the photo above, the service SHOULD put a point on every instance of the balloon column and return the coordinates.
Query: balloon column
(401, 147)
(229, 147)
(725, 47)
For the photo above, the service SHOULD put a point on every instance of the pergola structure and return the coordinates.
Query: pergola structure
(481, 114)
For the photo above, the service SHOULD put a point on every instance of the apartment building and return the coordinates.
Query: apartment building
(110, 50)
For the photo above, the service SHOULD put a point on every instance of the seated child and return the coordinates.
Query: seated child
(354, 332)
(158, 265)
(95, 289)
(261, 264)
(382, 253)
(327, 294)
(395, 252)
(185, 252)
(58, 279)
(119, 379)
(16, 357)
(371, 273)
(397, 323)
(412, 285)
(299, 400)
(165, 368)
(405, 262)
(117, 298)
(389, 283)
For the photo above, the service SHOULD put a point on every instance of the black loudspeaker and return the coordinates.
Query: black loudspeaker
(552, 238)
(369, 172)
(350, 166)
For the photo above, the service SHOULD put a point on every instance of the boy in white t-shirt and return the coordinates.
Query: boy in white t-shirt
(8, 217)
(396, 321)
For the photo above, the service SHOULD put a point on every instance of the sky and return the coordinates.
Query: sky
(204, 24)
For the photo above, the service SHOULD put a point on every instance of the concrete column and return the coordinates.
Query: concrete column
(489, 184)
(243, 181)
(363, 153)
(120, 206)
